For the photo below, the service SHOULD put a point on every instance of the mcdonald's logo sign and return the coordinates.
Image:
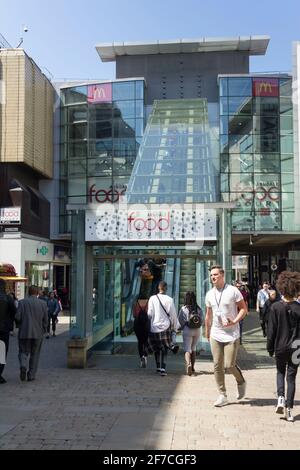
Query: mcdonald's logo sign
(101, 93)
(265, 87)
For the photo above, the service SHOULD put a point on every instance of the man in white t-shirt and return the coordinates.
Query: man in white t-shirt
(225, 308)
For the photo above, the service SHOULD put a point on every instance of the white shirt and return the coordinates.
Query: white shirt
(159, 319)
(223, 304)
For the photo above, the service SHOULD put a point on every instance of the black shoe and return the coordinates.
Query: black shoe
(175, 349)
(29, 378)
(22, 374)
(54, 334)
(2, 380)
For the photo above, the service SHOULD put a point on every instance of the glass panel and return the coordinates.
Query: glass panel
(123, 91)
(74, 95)
(223, 84)
(139, 127)
(77, 167)
(266, 106)
(287, 201)
(139, 90)
(77, 149)
(286, 106)
(287, 182)
(123, 166)
(240, 124)
(100, 190)
(286, 144)
(224, 183)
(100, 166)
(76, 190)
(287, 162)
(285, 87)
(100, 147)
(265, 125)
(124, 128)
(124, 109)
(223, 106)
(268, 220)
(77, 113)
(242, 220)
(266, 163)
(224, 125)
(78, 131)
(266, 143)
(286, 124)
(100, 130)
(240, 87)
(240, 105)
(241, 163)
(240, 143)
(139, 109)
(100, 112)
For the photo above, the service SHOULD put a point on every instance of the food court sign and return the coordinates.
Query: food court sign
(10, 216)
(190, 222)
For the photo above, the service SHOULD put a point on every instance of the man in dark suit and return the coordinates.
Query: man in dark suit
(32, 321)
(7, 316)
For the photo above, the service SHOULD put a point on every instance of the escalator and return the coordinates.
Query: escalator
(187, 278)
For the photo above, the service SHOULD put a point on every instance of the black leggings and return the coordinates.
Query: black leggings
(141, 332)
(286, 368)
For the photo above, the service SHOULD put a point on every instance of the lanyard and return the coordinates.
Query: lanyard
(218, 303)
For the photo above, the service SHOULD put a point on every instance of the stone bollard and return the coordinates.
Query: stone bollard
(77, 356)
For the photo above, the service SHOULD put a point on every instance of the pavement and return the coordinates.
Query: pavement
(113, 404)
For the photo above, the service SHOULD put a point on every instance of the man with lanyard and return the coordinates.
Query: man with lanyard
(262, 297)
(225, 308)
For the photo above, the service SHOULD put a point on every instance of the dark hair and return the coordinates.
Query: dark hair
(219, 267)
(33, 290)
(163, 285)
(288, 283)
(190, 301)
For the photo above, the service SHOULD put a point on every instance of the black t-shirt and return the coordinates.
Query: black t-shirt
(283, 326)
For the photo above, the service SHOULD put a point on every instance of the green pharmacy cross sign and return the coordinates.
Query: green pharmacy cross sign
(44, 250)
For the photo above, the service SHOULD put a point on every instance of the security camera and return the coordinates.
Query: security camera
(25, 29)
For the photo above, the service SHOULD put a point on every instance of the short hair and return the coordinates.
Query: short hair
(288, 283)
(33, 290)
(217, 266)
(163, 285)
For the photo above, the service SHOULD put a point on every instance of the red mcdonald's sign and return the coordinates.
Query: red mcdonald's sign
(265, 87)
(101, 93)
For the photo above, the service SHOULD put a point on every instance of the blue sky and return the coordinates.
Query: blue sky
(63, 33)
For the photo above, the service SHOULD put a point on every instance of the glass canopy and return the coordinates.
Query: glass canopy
(177, 161)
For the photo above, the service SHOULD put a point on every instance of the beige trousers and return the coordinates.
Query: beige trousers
(224, 356)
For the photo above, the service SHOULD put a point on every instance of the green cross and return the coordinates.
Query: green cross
(44, 250)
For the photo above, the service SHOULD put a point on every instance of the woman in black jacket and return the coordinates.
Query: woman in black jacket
(283, 329)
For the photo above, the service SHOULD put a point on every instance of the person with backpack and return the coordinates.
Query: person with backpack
(190, 318)
(282, 332)
(141, 328)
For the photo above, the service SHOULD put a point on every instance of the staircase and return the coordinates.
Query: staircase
(187, 278)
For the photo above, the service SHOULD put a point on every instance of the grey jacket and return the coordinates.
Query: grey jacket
(32, 318)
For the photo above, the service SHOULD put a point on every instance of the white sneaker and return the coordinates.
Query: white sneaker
(221, 401)
(288, 415)
(144, 362)
(280, 405)
(241, 390)
(163, 372)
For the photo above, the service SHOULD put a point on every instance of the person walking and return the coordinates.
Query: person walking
(273, 297)
(225, 308)
(262, 297)
(246, 296)
(53, 311)
(7, 316)
(163, 319)
(282, 331)
(141, 328)
(32, 321)
(190, 318)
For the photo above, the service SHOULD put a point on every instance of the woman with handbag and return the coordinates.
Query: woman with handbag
(190, 319)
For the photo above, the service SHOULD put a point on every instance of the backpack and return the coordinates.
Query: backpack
(195, 318)
(142, 316)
